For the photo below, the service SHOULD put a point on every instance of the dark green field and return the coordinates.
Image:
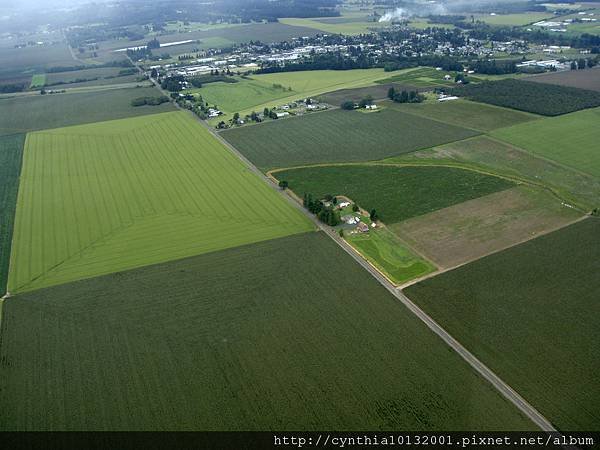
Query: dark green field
(532, 314)
(538, 98)
(37, 56)
(218, 342)
(397, 193)
(339, 136)
(20, 114)
(11, 153)
(90, 77)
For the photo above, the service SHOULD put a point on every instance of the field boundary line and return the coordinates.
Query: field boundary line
(506, 247)
(502, 387)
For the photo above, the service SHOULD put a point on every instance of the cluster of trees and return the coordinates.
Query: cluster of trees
(152, 101)
(326, 214)
(582, 63)
(325, 61)
(11, 87)
(226, 77)
(349, 104)
(154, 43)
(493, 67)
(405, 96)
(121, 63)
(173, 83)
(538, 98)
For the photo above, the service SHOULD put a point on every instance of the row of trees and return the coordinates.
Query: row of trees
(152, 101)
(582, 63)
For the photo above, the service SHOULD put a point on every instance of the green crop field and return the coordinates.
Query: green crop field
(466, 114)
(38, 80)
(397, 193)
(340, 136)
(531, 313)
(11, 151)
(498, 157)
(287, 334)
(571, 139)
(259, 92)
(37, 56)
(20, 114)
(109, 196)
(383, 249)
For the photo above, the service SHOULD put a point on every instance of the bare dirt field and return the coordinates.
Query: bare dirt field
(470, 230)
(584, 79)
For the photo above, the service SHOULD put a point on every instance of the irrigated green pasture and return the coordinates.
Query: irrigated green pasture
(287, 334)
(572, 139)
(383, 249)
(462, 113)
(257, 93)
(340, 136)
(19, 114)
(397, 193)
(531, 314)
(109, 196)
(484, 153)
(11, 152)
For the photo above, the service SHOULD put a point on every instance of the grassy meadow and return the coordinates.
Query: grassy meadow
(397, 193)
(340, 136)
(383, 249)
(38, 80)
(463, 113)
(110, 196)
(571, 139)
(517, 19)
(531, 313)
(287, 334)
(11, 153)
(336, 25)
(20, 114)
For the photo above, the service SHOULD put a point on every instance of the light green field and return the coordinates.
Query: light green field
(38, 80)
(571, 139)
(334, 27)
(513, 19)
(383, 249)
(110, 196)
(257, 93)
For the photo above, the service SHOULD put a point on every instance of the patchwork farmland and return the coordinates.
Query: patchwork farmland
(531, 314)
(494, 156)
(339, 136)
(240, 339)
(109, 196)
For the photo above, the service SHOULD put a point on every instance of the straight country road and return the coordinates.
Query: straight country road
(509, 393)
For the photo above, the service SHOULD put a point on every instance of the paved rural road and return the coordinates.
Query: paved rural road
(508, 392)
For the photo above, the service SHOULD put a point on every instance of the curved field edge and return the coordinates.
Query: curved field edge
(244, 338)
(114, 195)
(525, 308)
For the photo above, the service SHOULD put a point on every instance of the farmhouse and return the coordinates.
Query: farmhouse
(343, 204)
(362, 227)
(350, 219)
(282, 114)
